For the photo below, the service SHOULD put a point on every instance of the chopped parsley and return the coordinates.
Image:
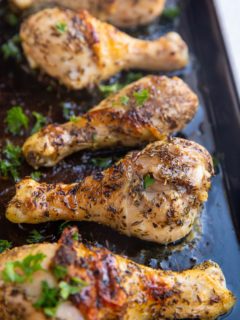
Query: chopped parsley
(40, 121)
(10, 49)
(35, 237)
(36, 175)
(141, 96)
(124, 100)
(16, 120)
(171, 12)
(12, 161)
(148, 181)
(51, 297)
(48, 300)
(11, 19)
(111, 88)
(59, 272)
(22, 271)
(133, 76)
(73, 118)
(102, 162)
(4, 245)
(61, 27)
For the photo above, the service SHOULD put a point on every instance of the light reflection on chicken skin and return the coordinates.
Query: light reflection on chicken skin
(120, 13)
(116, 288)
(80, 50)
(121, 197)
(119, 120)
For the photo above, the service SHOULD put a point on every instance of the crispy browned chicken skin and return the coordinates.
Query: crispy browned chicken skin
(120, 13)
(154, 194)
(121, 119)
(115, 288)
(79, 50)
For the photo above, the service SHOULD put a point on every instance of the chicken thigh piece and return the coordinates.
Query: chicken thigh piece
(142, 112)
(71, 281)
(154, 194)
(79, 50)
(125, 13)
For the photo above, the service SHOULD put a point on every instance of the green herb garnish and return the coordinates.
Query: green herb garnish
(51, 297)
(133, 76)
(40, 121)
(148, 181)
(11, 19)
(35, 237)
(48, 300)
(12, 161)
(36, 175)
(73, 118)
(171, 12)
(10, 48)
(59, 272)
(124, 100)
(102, 162)
(141, 96)
(111, 88)
(4, 245)
(16, 120)
(61, 27)
(22, 271)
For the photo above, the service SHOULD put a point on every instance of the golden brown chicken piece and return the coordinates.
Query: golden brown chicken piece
(142, 112)
(79, 50)
(154, 194)
(125, 13)
(106, 286)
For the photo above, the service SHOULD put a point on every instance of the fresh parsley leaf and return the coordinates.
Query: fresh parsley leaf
(67, 289)
(35, 237)
(11, 19)
(148, 181)
(22, 271)
(36, 175)
(16, 120)
(4, 245)
(59, 272)
(48, 300)
(133, 76)
(75, 236)
(10, 49)
(40, 121)
(111, 88)
(64, 225)
(102, 162)
(171, 12)
(12, 161)
(124, 100)
(73, 118)
(141, 96)
(61, 27)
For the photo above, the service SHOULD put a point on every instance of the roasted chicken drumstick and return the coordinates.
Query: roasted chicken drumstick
(79, 50)
(142, 112)
(70, 281)
(120, 13)
(154, 194)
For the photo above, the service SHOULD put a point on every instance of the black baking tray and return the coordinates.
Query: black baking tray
(216, 126)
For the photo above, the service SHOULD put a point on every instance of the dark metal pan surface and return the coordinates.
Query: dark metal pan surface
(216, 126)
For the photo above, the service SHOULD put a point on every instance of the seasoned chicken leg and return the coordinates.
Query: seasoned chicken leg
(154, 194)
(109, 287)
(125, 13)
(142, 112)
(79, 50)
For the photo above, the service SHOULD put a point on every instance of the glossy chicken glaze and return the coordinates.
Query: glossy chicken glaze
(116, 288)
(119, 197)
(85, 51)
(118, 120)
(120, 13)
